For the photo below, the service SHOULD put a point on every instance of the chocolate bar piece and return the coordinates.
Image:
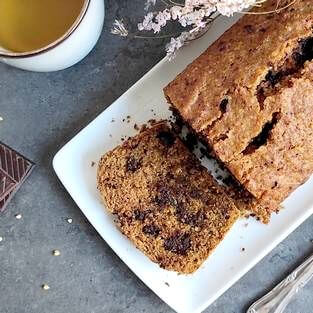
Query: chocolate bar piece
(15, 166)
(7, 184)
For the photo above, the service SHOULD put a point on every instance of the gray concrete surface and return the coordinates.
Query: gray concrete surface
(42, 112)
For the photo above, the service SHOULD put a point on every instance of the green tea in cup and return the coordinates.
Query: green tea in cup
(28, 25)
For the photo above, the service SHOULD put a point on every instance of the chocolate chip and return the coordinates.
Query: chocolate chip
(262, 138)
(305, 51)
(223, 105)
(191, 141)
(275, 185)
(164, 197)
(151, 230)
(167, 138)
(141, 215)
(298, 58)
(273, 77)
(192, 219)
(179, 243)
(132, 164)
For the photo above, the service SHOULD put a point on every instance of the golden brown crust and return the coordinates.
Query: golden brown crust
(238, 62)
(237, 89)
(286, 160)
(164, 200)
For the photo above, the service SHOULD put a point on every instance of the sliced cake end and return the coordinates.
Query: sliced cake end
(164, 200)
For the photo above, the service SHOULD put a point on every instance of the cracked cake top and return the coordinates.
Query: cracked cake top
(245, 89)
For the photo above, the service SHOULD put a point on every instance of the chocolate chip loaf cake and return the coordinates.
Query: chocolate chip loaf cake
(250, 98)
(164, 201)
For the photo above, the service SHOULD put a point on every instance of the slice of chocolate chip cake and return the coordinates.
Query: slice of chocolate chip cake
(164, 200)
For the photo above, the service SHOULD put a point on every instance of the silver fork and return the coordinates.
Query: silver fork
(277, 299)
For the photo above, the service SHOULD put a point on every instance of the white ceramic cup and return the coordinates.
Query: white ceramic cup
(72, 47)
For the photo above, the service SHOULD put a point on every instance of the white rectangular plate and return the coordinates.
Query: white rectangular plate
(145, 100)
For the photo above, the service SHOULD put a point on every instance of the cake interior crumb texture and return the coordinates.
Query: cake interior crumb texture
(163, 200)
(242, 198)
(249, 96)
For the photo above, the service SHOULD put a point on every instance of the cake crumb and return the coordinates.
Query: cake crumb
(167, 284)
(136, 127)
(152, 121)
(45, 287)
(93, 164)
(113, 120)
(56, 252)
(18, 216)
(70, 220)
(245, 225)
(143, 127)
(243, 249)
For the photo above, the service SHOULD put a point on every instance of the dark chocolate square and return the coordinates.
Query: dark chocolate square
(17, 167)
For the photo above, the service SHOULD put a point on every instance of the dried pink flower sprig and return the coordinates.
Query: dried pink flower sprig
(197, 15)
(193, 13)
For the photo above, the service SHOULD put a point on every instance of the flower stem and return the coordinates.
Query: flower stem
(277, 10)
